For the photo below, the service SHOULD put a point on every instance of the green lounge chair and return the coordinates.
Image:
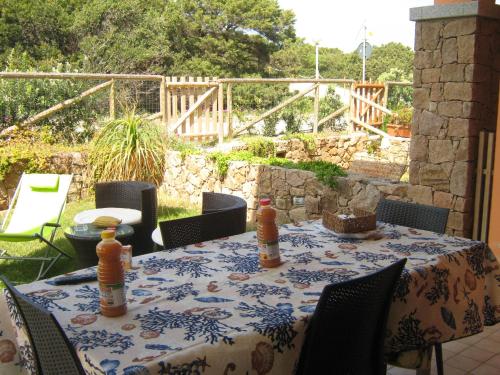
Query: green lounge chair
(34, 214)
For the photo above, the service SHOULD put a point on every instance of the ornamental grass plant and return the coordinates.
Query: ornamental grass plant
(129, 148)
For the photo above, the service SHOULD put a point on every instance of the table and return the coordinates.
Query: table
(156, 236)
(127, 215)
(210, 307)
(85, 237)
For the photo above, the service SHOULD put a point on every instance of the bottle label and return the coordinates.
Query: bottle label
(269, 250)
(126, 257)
(112, 295)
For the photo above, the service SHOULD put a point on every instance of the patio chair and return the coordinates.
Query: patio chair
(205, 227)
(346, 332)
(52, 351)
(34, 214)
(416, 216)
(136, 195)
(217, 202)
(413, 215)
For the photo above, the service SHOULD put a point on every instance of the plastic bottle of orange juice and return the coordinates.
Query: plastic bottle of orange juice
(111, 275)
(267, 235)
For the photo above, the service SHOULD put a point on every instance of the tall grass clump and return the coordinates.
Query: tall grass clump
(129, 148)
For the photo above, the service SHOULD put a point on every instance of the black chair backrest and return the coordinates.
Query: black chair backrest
(413, 215)
(346, 332)
(220, 202)
(52, 350)
(206, 227)
(136, 195)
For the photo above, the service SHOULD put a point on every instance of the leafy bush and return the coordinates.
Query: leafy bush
(129, 148)
(22, 98)
(402, 115)
(307, 139)
(175, 143)
(399, 96)
(325, 172)
(296, 113)
(329, 104)
(260, 146)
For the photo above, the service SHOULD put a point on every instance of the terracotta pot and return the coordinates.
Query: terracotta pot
(397, 130)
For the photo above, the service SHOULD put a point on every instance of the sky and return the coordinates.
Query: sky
(339, 24)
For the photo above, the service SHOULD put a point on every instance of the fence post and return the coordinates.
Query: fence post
(316, 109)
(220, 120)
(163, 103)
(112, 100)
(386, 95)
(352, 108)
(230, 110)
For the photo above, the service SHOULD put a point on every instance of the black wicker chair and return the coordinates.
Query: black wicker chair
(223, 215)
(346, 332)
(416, 216)
(53, 353)
(413, 215)
(136, 195)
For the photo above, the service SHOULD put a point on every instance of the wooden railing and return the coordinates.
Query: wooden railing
(201, 108)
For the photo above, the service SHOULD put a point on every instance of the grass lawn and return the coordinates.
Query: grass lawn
(26, 271)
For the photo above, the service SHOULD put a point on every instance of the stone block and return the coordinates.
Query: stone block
(430, 123)
(282, 216)
(435, 176)
(313, 187)
(443, 200)
(478, 73)
(297, 214)
(459, 221)
(437, 92)
(466, 45)
(414, 169)
(417, 77)
(312, 205)
(421, 98)
(452, 73)
(471, 110)
(283, 203)
(297, 191)
(431, 34)
(419, 148)
(458, 127)
(467, 149)
(420, 194)
(437, 58)
(431, 75)
(458, 91)
(463, 204)
(461, 179)
(449, 51)
(367, 199)
(450, 109)
(423, 59)
(440, 151)
(400, 190)
(461, 26)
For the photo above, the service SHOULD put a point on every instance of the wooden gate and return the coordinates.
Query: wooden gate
(361, 108)
(194, 108)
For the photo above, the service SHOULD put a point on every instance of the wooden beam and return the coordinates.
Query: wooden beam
(154, 116)
(163, 103)
(316, 110)
(220, 120)
(372, 103)
(230, 110)
(65, 104)
(333, 115)
(375, 96)
(275, 109)
(479, 183)
(186, 114)
(487, 187)
(112, 100)
(285, 80)
(84, 76)
(379, 132)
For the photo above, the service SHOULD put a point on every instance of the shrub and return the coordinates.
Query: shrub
(130, 148)
(260, 146)
(329, 104)
(307, 139)
(402, 115)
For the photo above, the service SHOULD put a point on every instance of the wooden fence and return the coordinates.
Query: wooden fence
(201, 108)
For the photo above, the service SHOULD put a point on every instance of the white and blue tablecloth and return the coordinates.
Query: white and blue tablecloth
(210, 308)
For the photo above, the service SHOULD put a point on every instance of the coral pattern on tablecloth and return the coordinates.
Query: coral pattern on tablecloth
(210, 308)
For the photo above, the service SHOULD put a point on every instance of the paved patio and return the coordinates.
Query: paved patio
(477, 355)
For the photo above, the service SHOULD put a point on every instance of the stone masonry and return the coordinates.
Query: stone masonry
(456, 71)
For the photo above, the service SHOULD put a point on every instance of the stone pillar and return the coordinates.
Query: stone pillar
(456, 72)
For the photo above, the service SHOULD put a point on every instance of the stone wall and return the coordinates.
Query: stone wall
(63, 163)
(297, 195)
(456, 71)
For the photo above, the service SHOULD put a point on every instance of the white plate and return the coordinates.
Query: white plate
(127, 215)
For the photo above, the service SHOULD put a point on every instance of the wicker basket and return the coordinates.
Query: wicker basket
(362, 222)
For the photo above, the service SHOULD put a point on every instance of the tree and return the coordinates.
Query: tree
(387, 56)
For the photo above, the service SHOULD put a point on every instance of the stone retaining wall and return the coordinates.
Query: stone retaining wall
(296, 194)
(63, 163)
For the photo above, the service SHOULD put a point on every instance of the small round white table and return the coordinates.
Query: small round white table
(126, 215)
(156, 236)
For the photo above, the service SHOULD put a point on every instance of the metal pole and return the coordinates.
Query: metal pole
(317, 60)
(364, 53)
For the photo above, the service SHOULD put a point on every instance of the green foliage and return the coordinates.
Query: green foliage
(296, 113)
(373, 147)
(329, 104)
(307, 139)
(325, 172)
(387, 56)
(399, 96)
(29, 153)
(260, 146)
(185, 148)
(402, 115)
(270, 123)
(129, 148)
(22, 98)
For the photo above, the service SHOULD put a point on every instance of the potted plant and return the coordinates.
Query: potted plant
(399, 123)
